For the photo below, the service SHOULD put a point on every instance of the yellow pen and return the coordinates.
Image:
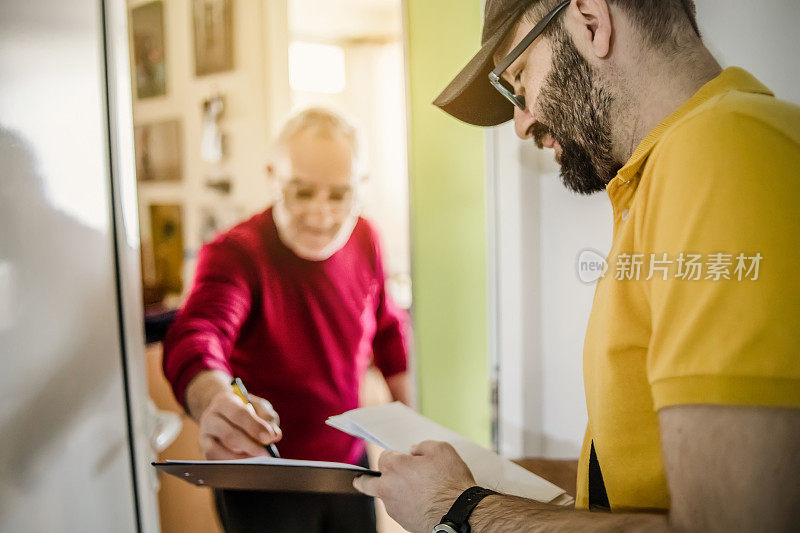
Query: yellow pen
(241, 391)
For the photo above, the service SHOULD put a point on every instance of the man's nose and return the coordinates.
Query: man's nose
(319, 212)
(523, 120)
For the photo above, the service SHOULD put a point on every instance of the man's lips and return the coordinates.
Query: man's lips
(543, 139)
(541, 135)
(317, 234)
(550, 142)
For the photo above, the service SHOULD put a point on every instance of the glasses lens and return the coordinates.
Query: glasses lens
(302, 196)
(537, 30)
(502, 86)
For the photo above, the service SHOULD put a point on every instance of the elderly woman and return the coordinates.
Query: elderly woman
(293, 301)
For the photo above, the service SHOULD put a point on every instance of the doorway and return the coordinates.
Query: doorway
(212, 81)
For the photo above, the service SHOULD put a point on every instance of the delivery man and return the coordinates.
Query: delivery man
(692, 375)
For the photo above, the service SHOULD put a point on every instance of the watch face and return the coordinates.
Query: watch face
(444, 528)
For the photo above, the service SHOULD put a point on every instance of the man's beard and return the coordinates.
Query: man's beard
(575, 110)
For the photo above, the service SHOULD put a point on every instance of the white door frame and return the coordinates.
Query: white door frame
(126, 229)
(512, 194)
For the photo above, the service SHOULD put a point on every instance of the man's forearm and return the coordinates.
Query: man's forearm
(399, 387)
(511, 513)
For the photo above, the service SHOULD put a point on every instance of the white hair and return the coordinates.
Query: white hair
(325, 123)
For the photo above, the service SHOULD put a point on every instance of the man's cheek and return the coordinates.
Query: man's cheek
(335, 228)
(536, 72)
(296, 223)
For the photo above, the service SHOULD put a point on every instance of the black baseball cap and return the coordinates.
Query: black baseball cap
(470, 97)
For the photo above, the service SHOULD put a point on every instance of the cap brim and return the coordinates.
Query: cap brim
(470, 97)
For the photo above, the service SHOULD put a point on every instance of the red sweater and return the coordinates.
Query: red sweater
(299, 333)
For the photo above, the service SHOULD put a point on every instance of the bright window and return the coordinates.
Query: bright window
(316, 68)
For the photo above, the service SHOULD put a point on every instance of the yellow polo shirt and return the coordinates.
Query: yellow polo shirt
(700, 303)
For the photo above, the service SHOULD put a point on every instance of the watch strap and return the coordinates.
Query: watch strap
(458, 515)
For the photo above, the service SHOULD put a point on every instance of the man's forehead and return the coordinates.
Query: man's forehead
(515, 35)
(318, 159)
(310, 147)
(521, 28)
(302, 182)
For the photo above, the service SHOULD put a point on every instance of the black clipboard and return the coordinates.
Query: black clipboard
(267, 477)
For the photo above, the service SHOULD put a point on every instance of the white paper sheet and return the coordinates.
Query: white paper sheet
(396, 427)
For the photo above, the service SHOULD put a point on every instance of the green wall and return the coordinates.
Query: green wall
(448, 223)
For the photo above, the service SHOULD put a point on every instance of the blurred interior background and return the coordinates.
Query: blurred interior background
(212, 82)
(203, 132)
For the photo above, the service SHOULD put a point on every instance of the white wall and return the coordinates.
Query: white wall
(377, 71)
(569, 224)
(759, 36)
(540, 227)
(335, 20)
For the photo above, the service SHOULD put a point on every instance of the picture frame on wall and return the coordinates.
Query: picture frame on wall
(213, 36)
(159, 151)
(167, 238)
(147, 35)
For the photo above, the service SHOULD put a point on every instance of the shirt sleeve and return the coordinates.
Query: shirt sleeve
(392, 339)
(727, 191)
(204, 332)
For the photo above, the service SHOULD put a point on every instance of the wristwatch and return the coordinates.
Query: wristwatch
(456, 519)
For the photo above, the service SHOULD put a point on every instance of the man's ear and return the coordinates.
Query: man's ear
(595, 25)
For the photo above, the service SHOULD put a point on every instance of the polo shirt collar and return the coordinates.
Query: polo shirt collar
(731, 79)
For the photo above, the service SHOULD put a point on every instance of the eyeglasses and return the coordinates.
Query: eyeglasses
(301, 195)
(494, 76)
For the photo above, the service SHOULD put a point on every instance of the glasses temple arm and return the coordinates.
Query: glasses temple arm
(526, 42)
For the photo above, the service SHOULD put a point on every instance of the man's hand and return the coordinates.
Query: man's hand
(728, 468)
(418, 489)
(230, 429)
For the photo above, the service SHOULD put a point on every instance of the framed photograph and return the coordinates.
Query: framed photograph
(213, 36)
(158, 151)
(166, 233)
(147, 28)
